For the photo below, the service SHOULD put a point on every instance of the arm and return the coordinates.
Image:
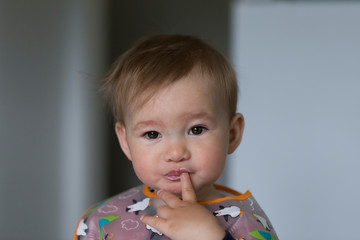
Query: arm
(185, 219)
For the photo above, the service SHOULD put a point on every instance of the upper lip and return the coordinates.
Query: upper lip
(177, 172)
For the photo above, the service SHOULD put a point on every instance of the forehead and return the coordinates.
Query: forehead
(187, 92)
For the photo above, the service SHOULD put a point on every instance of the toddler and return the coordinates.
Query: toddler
(174, 101)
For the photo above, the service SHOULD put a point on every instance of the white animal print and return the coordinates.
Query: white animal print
(154, 230)
(232, 211)
(81, 230)
(263, 221)
(138, 206)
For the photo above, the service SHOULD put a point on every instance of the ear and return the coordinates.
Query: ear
(236, 131)
(121, 135)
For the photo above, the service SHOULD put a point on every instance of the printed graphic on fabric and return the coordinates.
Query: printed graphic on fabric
(263, 222)
(96, 206)
(128, 194)
(102, 221)
(129, 224)
(108, 209)
(153, 230)
(251, 204)
(262, 235)
(138, 206)
(232, 211)
(82, 228)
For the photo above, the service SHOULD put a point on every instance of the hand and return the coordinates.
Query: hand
(185, 219)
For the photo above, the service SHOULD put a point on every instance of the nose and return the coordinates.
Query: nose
(177, 151)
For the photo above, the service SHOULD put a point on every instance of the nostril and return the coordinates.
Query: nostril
(176, 159)
(177, 150)
(178, 156)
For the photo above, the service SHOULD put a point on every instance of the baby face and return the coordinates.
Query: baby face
(183, 128)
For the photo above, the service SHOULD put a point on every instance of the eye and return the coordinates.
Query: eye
(197, 130)
(152, 135)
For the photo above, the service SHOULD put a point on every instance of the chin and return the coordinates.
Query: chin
(174, 188)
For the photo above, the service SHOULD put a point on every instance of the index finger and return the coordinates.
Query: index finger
(188, 191)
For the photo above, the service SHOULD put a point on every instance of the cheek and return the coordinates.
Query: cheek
(138, 160)
(213, 156)
(144, 164)
(142, 171)
(217, 147)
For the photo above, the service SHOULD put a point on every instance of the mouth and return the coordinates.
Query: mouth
(174, 175)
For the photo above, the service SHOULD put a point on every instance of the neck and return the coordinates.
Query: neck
(208, 194)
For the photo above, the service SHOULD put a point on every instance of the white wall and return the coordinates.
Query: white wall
(298, 65)
(51, 144)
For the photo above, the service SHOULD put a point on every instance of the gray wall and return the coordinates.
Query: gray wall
(51, 55)
(58, 153)
(298, 65)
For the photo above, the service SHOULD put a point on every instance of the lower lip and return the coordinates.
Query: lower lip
(173, 178)
(175, 175)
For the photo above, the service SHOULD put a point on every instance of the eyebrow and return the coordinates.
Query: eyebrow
(142, 124)
(198, 115)
(186, 117)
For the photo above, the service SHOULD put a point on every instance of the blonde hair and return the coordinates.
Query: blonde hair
(158, 61)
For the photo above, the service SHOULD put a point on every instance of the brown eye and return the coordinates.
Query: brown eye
(152, 135)
(197, 130)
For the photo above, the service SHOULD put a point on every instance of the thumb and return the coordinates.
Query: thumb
(155, 223)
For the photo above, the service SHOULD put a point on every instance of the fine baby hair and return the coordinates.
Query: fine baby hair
(157, 61)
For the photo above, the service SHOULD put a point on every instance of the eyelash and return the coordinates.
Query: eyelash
(149, 135)
(155, 135)
(201, 128)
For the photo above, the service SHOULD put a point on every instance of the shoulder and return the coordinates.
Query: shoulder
(253, 222)
(106, 211)
(242, 216)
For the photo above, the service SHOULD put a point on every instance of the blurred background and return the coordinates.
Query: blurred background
(298, 69)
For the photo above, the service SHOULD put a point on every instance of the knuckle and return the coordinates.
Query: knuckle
(160, 210)
(188, 189)
(153, 222)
